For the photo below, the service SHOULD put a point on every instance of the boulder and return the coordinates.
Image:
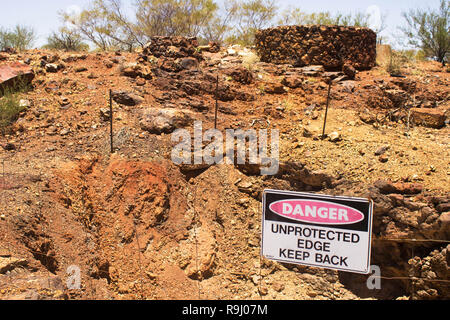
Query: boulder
(51, 67)
(239, 74)
(130, 69)
(313, 71)
(387, 187)
(188, 63)
(212, 47)
(10, 263)
(165, 120)
(349, 71)
(15, 74)
(274, 88)
(428, 117)
(126, 98)
(292, 82)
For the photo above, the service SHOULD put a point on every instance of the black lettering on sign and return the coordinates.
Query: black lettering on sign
(316, 245)
(294, 254)
(333, 260)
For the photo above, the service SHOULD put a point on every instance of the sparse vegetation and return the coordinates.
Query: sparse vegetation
(10, 109)
(250, 16)
(295, 16)
(105, 24)
(10, 106)
(19, 38)
(395, 63)
(429, 30)
(67, 40)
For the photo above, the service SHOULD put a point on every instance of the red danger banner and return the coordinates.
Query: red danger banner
(317, 230)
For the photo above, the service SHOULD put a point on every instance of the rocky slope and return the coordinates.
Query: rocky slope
(138, 226)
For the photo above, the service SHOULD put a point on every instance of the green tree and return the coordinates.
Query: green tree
(295, 16)
(66, 39)
(220, 25)
(93, 27)
(105, 24)
(428, 30)
(250, 16)
(174, 17)
(19, 38)
(119, 28)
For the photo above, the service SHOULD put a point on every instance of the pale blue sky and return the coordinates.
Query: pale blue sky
(42, 15)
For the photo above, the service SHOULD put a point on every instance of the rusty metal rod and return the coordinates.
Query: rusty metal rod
(111, 120)
(326, 110)
(217, 102)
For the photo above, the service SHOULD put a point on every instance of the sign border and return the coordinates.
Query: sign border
(325, 197)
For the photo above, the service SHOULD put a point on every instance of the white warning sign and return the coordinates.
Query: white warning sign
(317, 230)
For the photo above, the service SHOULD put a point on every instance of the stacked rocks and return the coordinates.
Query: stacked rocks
(172, 47)
(330, 46)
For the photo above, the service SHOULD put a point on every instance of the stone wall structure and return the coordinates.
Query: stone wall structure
(330, 46)
(172, 47)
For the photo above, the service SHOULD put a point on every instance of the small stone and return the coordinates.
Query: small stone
(255, 279)
(334, 137)
(243, 202)
(126, 98)
(64, 101)
(443, 207)
(105, 114)
(23, 103)
(51, 67)
(307, 133)
(313, 70)
(292, 82)
(263, 290)
(312, 293)
(92, 76)
(381, 150)
(9, 147)
(140, 82)
(367, 117)
(277, 286)
(349, 71)
(274, 88)
(231, 52)
(81, 69)
(383, 158)
(189, 63)
(64, 132)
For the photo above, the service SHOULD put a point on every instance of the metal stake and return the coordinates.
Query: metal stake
(111, 120)
(326, 110)
(217, 102)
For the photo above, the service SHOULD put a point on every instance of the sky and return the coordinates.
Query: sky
(42, 15)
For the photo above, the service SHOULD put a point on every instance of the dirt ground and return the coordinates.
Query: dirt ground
(137, 226)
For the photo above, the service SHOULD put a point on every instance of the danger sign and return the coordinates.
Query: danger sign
(317, 230)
